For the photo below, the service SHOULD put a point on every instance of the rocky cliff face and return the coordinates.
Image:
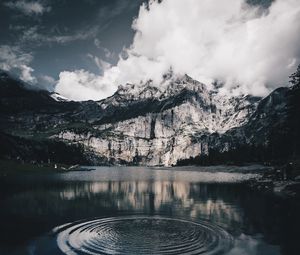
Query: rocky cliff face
(144, 124)
(159, 125)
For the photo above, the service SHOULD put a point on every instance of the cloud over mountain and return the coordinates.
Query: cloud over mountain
(229, 41)
(13, 58)
(82, 85)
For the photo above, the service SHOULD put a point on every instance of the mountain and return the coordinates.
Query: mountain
(178, 121)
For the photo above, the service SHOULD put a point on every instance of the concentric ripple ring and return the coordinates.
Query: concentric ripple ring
(142, 235)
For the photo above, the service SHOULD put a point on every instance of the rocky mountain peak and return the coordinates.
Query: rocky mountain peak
(146, 123)
(215, 112)
(170, 86)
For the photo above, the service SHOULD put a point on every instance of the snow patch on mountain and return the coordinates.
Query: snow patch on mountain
(59, 98)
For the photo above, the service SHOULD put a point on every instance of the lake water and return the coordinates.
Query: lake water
(123, 210)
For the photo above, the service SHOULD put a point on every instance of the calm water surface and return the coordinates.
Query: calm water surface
(118, 210)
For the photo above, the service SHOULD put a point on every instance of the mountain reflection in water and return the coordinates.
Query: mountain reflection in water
(186, 199)
(33, 205)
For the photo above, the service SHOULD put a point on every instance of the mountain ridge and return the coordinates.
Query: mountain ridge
(146, 124)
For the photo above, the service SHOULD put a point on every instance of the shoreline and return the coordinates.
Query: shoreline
(270, 181)
(275, 182)
(8, 167)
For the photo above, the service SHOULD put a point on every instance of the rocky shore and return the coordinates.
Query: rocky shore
(282, 181)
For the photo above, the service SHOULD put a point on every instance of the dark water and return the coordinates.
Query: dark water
(144, 211)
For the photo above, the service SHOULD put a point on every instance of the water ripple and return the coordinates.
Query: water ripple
(142, 235)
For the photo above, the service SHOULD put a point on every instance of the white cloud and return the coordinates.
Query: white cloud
(13, 58)
(211, 39)
(46, 82)
(81, 85)
(33, 35)
(108, 54)
(26, 74)
(100, 63)
(48, 79)
(28, 7)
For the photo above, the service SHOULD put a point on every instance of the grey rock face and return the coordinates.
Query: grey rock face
(145, 124)
(159, 125)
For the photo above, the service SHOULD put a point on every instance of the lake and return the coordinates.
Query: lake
(136, 210)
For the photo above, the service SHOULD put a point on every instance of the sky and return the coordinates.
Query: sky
(84, 49)
(41, 38)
